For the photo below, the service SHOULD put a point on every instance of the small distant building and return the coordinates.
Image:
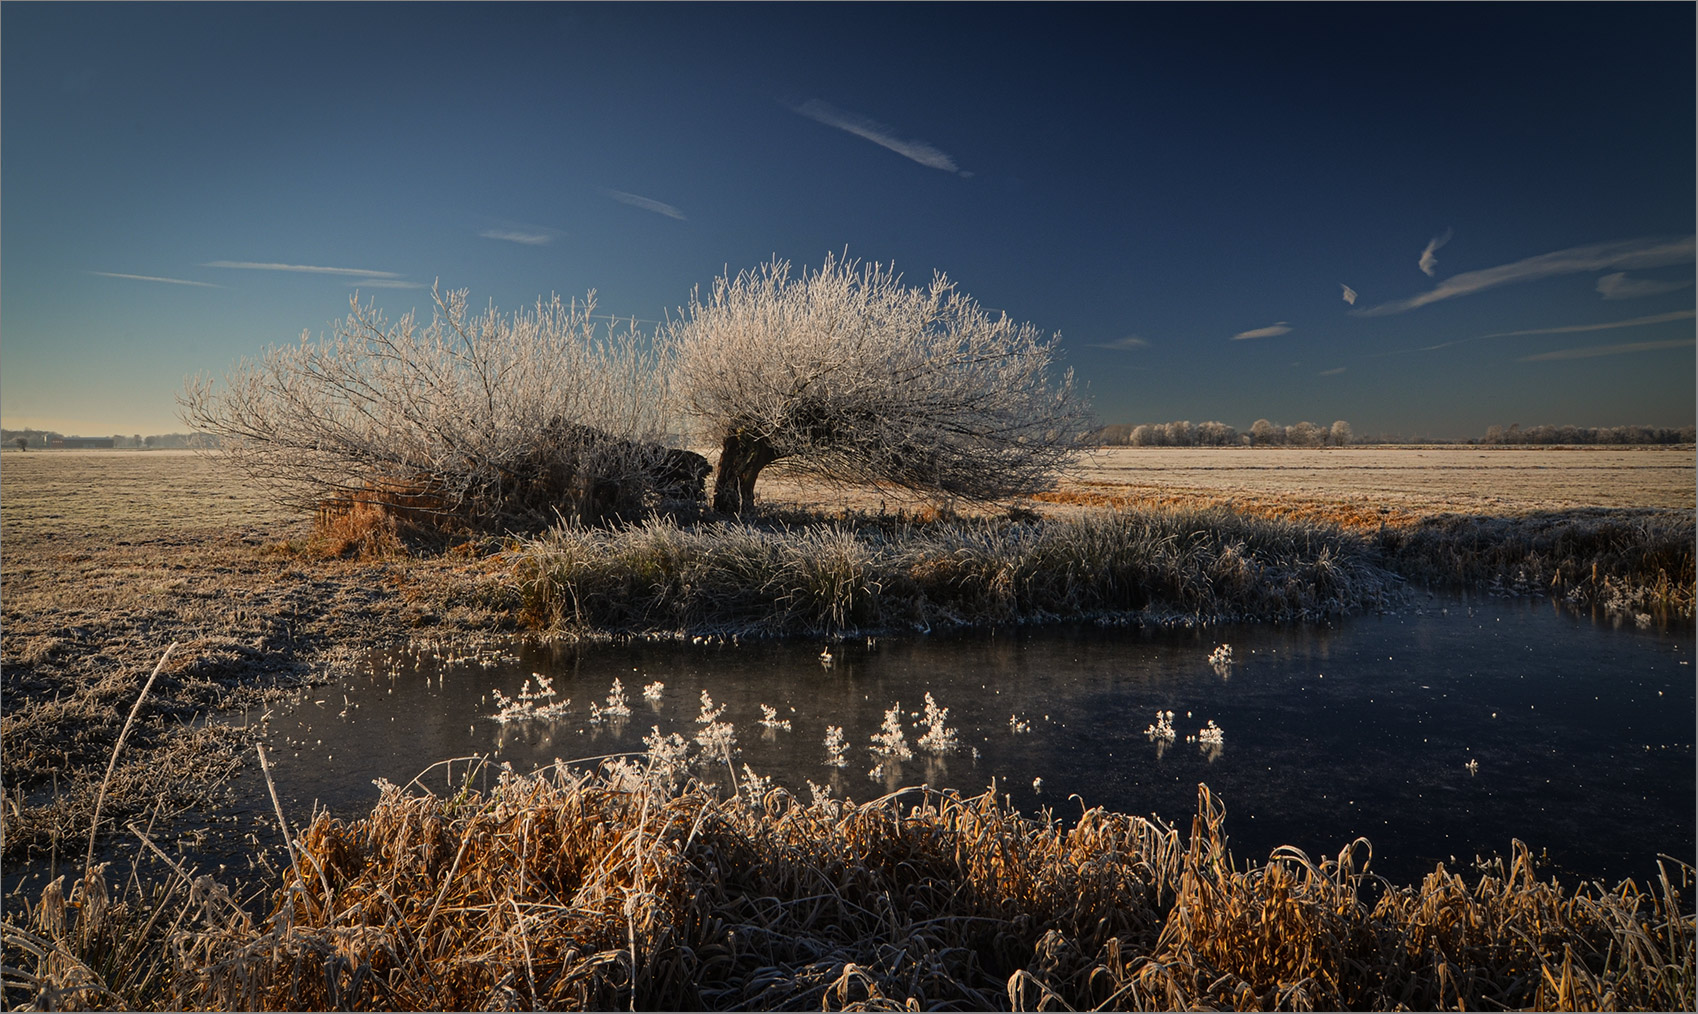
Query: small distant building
(82, 443)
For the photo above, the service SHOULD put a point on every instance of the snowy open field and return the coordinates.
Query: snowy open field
(1475, 480)
(121, 494)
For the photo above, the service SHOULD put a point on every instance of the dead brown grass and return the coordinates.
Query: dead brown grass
(567, 891)
(362, 530)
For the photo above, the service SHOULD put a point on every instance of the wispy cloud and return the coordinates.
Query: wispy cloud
(1127, 343)
(387, 283)
(1272, 330)
(646, 203)
(1349, 293)
(861, 126)
(1335, 371)
(1619, 286)
(1607, 350)
(1428, 263)
(310, 269)
(155, 278)
(1624, 254)
(516, 236)
(1656, 318)
(1659, 318)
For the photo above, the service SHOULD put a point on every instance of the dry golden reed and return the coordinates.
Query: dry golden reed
(566, 890)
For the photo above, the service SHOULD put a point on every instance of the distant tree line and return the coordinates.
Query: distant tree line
(1185, 433)
(1263, 433)
(41, 439)
(1514, 434)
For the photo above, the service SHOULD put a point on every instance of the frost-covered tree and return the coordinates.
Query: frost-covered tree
(488, 419)
(1216, 434)
(847, 374)
(1339, 435)
(1263, 433)
(1303, 434)
(1181, 434)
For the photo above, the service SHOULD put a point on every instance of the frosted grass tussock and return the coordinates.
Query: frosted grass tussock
(653, 691)
(1018, 725)
(617, 704)
(889, 740)
(1221, 659)
(1209, 735)
(939, 739)
(669, 758)
(770, 719)
(715, 736)
(836, 747)
(530, 705)
(1163, 727)
(756, 786)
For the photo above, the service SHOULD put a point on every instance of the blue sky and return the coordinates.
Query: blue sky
(1191, 196)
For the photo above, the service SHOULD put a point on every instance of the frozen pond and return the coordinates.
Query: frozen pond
(1438, 734)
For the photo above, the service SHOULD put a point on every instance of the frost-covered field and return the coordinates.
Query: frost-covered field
(118, 493)
(1474, 480)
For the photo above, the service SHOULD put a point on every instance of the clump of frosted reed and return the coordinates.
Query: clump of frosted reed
(770, 719)
(653, 691)
(1162, 729)
(669, 758)
(1209, 735)
(888, 741)
(1018, 725)
(1221, 659)
(715, 736)
(756, 786)
(836, 747)
(617, 704)
(939, 738)
(530, 705)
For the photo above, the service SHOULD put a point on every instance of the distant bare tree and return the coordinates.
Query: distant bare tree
(1303, 434)
(1216, 434)
(848, 375)
(21, 443)
(486, 418)
(1264, 433)
(1339, 435)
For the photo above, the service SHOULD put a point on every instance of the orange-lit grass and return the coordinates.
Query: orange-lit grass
(564, 890)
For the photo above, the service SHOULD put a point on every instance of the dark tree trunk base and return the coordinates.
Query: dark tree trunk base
(740, 462)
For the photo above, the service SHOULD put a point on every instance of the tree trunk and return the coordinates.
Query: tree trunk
(740, 462)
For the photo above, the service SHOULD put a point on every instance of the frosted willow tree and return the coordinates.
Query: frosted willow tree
(486, 419)
(848, 375)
